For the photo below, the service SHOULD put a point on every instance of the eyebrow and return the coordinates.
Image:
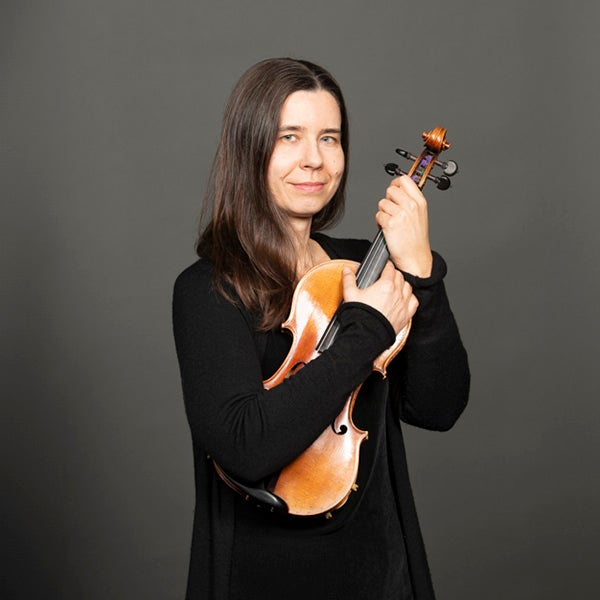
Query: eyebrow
(299, 128)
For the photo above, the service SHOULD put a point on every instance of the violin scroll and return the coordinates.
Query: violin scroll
(435, 139)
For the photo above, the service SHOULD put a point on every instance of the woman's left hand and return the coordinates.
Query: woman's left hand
(402, 216)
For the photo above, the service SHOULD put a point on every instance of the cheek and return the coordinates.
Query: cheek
(275, 169)
(279, 166)
(339, 167)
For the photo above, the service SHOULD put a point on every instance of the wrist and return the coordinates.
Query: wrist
(438, 272)
(420, 266)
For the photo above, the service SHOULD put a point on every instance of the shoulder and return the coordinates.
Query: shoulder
(196, 291)
(197, 276)
(198, 306)
(196, 286)
(352, 249)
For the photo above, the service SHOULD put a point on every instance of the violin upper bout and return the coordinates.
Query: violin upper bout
(316, 298)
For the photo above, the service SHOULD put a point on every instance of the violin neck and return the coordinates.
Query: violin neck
(368, 273)
(371, 267)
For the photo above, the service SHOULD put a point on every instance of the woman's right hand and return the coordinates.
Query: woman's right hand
(391, 295)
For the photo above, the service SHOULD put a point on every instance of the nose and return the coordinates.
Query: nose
(311, 156)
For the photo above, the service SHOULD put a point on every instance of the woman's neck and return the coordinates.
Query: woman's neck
(308, 252)
(305, 257)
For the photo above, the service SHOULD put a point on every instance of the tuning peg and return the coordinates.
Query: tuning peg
(405, 154)
(442, 183)
(393, 169)
(450, 167)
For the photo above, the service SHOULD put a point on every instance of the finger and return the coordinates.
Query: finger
(413, 304)
(405, 188)
(388, 206)
(402, 183)
(397, 181)
(348, 283)
(405, 182)
(389, 271)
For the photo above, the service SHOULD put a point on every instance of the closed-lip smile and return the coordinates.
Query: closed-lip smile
(309, 186)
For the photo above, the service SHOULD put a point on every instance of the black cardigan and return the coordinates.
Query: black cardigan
(252, 432)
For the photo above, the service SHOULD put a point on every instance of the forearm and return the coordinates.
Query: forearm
(430, 377)
(250, 431)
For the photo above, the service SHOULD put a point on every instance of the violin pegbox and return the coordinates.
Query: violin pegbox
(435, 143)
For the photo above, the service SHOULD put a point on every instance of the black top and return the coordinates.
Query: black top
(371, 548)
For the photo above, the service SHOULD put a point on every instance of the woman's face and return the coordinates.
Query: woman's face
(307, 162)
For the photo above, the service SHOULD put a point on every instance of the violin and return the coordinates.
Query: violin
(322, 478)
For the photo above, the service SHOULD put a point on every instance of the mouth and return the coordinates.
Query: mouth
(309, 186)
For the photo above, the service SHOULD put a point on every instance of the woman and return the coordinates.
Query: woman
(277, 181)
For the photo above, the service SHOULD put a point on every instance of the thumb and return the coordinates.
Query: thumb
(349, 284)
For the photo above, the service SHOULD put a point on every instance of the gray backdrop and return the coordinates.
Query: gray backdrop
(110, 115)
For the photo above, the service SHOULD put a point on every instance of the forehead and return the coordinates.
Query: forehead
(310, 107)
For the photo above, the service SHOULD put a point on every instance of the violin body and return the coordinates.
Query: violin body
(323, 476)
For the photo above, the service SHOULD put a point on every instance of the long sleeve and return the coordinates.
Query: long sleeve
(430, 377)
(251, 432)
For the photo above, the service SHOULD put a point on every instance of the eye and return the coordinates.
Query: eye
(288, 137)
(330, 139)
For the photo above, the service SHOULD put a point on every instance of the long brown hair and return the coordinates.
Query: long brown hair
(247, 239)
